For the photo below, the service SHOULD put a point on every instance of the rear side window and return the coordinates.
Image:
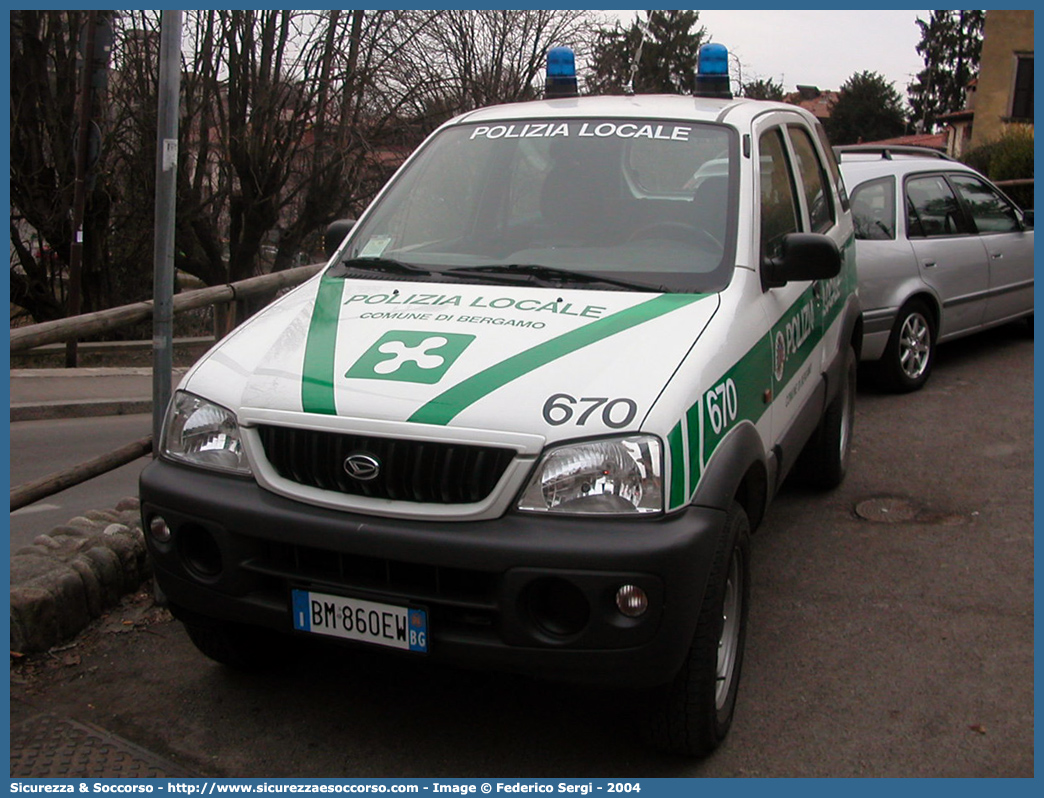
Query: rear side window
(990, 211)
(813, 181)
(835, 170)
(778, 203)
(873, 210)
(932, 209)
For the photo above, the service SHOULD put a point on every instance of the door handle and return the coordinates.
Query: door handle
(929, 264)
(997, 255)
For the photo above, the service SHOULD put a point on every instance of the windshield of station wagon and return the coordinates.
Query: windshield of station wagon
(644, 201)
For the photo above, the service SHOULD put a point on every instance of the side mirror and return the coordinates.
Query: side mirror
(335, 234)
(805, 256)
(1027, 219)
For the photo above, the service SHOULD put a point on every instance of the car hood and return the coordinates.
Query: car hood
(507, 358)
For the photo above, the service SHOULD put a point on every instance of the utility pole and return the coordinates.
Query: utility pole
(166, 200)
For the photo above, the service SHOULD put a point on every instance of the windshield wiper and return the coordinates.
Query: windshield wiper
(386, 265)
(528, 273)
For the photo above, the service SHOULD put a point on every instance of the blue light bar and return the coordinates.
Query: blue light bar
(713, 60)
(561, 73)
(712, 76)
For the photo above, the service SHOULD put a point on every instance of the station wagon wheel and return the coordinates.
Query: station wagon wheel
(908, 357)
(693, 714)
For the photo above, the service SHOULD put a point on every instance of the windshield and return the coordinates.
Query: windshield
(642, 203)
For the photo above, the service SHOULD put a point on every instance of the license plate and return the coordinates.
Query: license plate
(405, 628)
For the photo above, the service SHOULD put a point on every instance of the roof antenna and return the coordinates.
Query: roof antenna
(643, 28)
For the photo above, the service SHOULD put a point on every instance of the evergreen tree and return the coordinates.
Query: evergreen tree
(951, 42)
(666, 46)
(763, 90)
(868, 109)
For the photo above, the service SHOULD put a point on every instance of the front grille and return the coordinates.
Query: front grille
(390, 577)
(410, 471)
(460, 601)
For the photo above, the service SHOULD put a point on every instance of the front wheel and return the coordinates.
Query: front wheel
(243, 648)
(824, 462)
(693, 714)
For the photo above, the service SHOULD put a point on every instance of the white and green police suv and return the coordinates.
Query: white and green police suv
(527, 416)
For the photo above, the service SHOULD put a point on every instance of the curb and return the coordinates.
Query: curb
(87, 408)
(71, 575)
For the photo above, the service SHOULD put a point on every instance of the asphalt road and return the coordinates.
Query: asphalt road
(42, 448)
(891, 634)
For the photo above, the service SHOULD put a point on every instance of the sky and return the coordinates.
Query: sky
(817, 48)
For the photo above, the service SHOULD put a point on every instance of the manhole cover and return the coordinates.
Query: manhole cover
(887, 510)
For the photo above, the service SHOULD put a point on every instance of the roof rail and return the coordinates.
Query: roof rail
(886, 151)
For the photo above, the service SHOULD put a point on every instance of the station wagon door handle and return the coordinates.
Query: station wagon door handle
(997, 255)
(929, 264)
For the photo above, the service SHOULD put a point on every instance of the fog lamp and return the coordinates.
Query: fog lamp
(158, 529)
(632, 601)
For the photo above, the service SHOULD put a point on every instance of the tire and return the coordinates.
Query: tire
(824, 462)
(240, 647)
(1027, 326)
(692, 715)
(910, 352)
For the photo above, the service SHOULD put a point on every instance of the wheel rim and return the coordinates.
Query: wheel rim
(915, 345)
(728, 643)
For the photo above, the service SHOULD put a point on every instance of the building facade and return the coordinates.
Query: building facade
(1004, 94)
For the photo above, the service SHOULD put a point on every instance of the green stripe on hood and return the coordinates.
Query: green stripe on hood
(317, 390)
(444, 407)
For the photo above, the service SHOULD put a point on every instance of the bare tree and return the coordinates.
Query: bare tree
(44, 81)
(288, 120)
(476, 58)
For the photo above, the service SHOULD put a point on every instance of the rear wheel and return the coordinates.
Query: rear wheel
(693, 714)
(824, 462)
(908, 356)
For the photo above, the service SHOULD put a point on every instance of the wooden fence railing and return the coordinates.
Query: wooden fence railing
(90, 324)
(52, 332)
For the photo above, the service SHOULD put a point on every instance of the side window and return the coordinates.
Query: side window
(990, 211)
(813, 181)
(873, 210)
(932, 209)
(835, 170)
(778, 204)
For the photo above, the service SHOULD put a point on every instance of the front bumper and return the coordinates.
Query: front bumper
(523, 593)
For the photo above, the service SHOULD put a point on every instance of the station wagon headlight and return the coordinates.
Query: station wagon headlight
(612, 476)
(202, 433)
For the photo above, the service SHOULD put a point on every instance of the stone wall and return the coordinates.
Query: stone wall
(73, 574)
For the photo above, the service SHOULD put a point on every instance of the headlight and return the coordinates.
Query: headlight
(613, 476)
(202, 433)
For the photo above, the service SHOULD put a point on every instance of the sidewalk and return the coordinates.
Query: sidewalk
(45, 744)
(50, 393)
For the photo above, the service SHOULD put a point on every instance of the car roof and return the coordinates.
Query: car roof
(738, 112)
(860, 163)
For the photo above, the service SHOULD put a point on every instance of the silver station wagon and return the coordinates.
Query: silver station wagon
(940, 251)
